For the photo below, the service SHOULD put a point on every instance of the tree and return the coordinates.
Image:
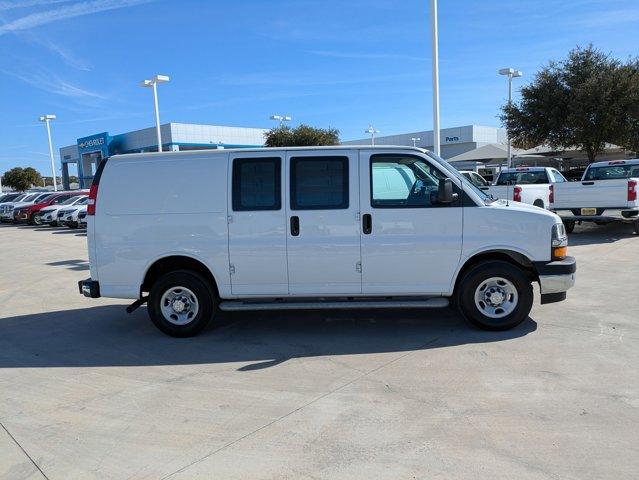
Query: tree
(21, 178)
(302, 136)
(584, 101)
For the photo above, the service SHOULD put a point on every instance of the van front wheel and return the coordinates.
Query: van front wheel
(181, 303)
(495, 295)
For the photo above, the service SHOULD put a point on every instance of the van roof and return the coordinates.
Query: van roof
(272, 149)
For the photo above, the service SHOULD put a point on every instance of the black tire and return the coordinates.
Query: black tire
(570, 225)
(539, 203)
(473, 280)
(635, 227)
(200, 288)
(35, 220)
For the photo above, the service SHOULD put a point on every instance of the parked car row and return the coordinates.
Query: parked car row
(40, 208)
(606, 193)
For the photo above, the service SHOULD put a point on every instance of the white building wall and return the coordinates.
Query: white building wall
(216, 134)
(453, 141)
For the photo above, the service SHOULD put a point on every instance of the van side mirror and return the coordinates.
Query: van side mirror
(445, 192)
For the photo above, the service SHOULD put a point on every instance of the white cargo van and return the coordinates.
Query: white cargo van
(191, 233)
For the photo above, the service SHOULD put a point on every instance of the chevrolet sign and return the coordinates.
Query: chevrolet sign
(93, 142)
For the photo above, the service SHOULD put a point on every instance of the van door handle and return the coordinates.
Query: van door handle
(367, 223)
(587, 183)
(295, 225)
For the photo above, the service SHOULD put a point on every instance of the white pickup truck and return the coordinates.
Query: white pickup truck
(606, 193)
(532, 185)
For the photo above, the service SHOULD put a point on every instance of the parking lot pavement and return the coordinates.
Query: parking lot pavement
(87, 391)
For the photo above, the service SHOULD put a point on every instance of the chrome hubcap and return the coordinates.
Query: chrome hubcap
(496, 297)
(179, 305)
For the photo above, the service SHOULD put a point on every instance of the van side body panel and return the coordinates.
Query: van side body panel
(517, 228)
(153, 206)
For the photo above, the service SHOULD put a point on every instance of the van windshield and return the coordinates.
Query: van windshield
(455, 173)
(612, 172)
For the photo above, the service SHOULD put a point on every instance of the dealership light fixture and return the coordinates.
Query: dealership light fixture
(435, 69)
(46, 119)
(371, 130)
(415, 140)
(510, 73)
(153, 84)
(281, 119)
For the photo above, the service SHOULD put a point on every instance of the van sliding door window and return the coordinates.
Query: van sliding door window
(257, 184)
(404, 181)
(319, 183)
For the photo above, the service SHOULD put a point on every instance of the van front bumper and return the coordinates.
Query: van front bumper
(89, 288)
(556, 278)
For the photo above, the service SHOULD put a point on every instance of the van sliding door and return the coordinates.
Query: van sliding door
(323, 238)
(257, 224)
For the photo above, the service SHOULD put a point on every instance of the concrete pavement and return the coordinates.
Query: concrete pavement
(87, 391)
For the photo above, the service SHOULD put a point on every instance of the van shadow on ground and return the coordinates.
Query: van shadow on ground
(107, 336)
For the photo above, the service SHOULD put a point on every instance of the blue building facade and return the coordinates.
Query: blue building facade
(89, 151)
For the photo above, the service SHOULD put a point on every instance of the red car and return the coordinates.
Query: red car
(27, 213)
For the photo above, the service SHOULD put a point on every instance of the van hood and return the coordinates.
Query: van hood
(524, 207)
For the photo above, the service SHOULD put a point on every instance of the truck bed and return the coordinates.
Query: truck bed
(593, 194)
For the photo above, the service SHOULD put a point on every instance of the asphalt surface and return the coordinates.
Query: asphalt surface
(88, 391)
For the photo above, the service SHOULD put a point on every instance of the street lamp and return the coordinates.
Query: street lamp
(415, 140)
(372, 132)
(435, 60)
(510, 73)
(281, 119)
(46, 119)
(153, 83)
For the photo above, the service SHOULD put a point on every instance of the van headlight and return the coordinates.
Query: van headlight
(559, 241)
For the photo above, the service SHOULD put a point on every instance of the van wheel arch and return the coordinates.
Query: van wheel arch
(173, 263)
(515, 258)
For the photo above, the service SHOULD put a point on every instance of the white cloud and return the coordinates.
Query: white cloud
(65, 11)
(67, 56)
(29, 3)
(51, 83)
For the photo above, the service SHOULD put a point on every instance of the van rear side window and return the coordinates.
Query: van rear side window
(257, 184)
(319, 183)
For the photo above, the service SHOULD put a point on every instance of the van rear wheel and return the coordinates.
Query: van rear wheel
(495, 295)
(181, 303)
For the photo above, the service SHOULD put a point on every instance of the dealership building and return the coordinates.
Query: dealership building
(453, 141)
(86, 154)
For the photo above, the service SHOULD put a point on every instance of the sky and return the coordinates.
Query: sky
(328, 63)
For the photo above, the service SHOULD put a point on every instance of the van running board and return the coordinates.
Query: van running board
(239, 305)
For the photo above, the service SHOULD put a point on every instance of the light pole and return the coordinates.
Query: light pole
(372, 132)
(415, 140)
(46, 119)
(281, 119)
(153, 83)
(435, 56)
(510, 73)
